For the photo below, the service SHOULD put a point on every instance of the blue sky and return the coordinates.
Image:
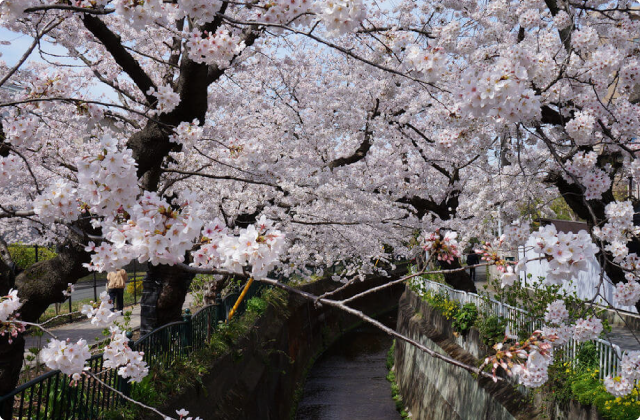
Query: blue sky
(19, 43)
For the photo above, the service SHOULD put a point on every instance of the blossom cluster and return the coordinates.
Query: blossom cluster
(529, 360)
(342, 16)
(559, 335)
(587, 329)
(107, 182)
(218, 48)
(628, 119)
(448, 138)
(101, 315)
(430, 63)
(9, 167)
(556, 312)
(627, 294)
(534, 372)
(55, 83)
(201, 11)
(21, 128)
(58, 201)
(516, 233)
(629, 373)
(583, 166)
(618, 229)
(118, 355)
(167, 98)
(107, 186)
(585, 40)
(258, 246)
(562, 20)
(618, 386)
(502, 92)
(139, 13)
(567, 253)
(187, 133)
(156, 231)
(9, 304)
(558, 332)
(530, 18)
(285, 12)
(444, 248)
(630, 74)
(580, 128)
(66, 357)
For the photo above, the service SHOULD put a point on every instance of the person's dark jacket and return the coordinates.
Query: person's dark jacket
(473, 259)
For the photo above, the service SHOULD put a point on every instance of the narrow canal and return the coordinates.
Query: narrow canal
(348, 382)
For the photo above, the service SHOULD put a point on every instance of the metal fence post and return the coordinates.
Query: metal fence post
(95, 287)
(70, 311)
(188, 330)
(220, 314)
(130, 341)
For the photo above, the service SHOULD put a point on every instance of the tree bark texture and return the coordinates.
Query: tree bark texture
(38, 287)
(163, 293)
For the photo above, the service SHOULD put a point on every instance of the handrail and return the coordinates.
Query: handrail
(607, 363)
(162, 346)
(139, 340)
(150, 333)
(39, 379)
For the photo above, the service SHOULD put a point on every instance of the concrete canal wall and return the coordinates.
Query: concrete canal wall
(261, 376)
(435, 390)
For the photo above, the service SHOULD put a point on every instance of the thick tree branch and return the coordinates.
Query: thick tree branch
(113, 44)
(86, 10)
(363, 149)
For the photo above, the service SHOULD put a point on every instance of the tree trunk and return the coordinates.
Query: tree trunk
(38, 287)
(163, 293)
(11, 357)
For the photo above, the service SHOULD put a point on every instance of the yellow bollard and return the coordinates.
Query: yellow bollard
(242, 295)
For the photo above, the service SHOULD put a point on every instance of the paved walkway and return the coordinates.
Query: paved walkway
(81, 329)
(84, 329)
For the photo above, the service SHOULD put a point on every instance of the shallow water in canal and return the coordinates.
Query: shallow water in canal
(348, 382)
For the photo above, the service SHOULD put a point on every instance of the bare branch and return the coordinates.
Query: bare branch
(86, 10)
(113, 44)
(379, 325)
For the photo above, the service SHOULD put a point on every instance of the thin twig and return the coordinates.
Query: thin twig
(35, 325)
(390, 331)
(131, 400)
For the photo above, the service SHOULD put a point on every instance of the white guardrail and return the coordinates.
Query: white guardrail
(518, 319)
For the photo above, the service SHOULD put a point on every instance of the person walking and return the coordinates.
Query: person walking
(472, 259)
(115, 286)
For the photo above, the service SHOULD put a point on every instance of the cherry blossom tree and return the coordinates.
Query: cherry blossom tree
(247, 137)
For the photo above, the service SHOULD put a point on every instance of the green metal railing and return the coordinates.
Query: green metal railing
(52, 396)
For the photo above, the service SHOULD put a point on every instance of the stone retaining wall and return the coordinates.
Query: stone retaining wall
(435, 390)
